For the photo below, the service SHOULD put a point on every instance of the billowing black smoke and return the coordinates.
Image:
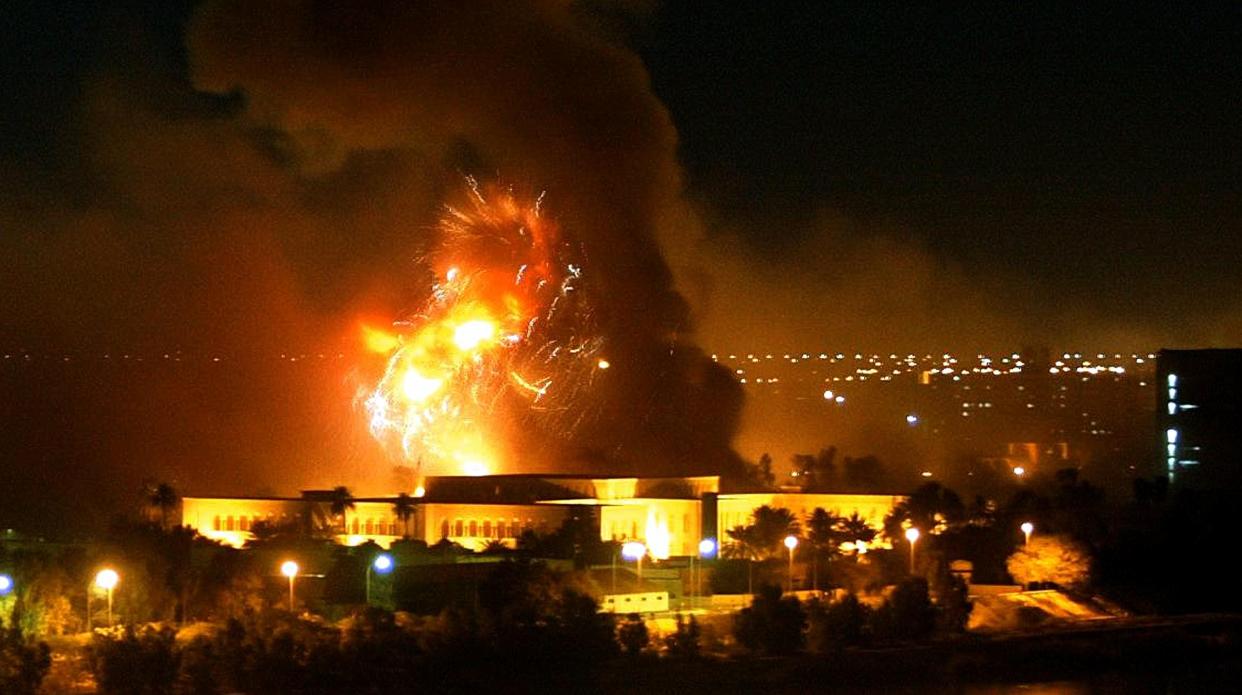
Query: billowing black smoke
(529, 92)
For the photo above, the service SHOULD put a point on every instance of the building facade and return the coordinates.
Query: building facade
(1199, 393)
(670, 515)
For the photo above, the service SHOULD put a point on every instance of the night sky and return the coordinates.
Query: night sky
(216, 181)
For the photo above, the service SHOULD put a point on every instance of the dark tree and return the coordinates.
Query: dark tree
(930, 507)
(908, 613)
(684, 642)
(403, 507)
(821, 535)
(760, 473)
(342, 502)
(633, 635)
(164, 500)
(23, 664)
(836, 625)
(772, 624)
(817, 472)
(854, 528)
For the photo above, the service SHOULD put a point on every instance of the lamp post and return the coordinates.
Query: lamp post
(6, 585)
(382, 564)
(791, 542)
(634, 550)
(107, 579)
(1027, 527)
(289, 568)
(912, 535)
(707, 551)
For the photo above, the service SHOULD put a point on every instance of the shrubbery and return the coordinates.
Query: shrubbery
(23, 664)
(529, 624)
(772, 624)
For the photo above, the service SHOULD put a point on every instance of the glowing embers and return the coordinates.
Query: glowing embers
(379, 341)
(471, 334)
(506, 341)
(419, 388)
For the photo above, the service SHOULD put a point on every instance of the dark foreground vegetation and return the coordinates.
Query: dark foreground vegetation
(527, 618)
(572, 650)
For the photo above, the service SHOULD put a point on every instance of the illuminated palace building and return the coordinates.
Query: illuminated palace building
(671, 515)
(1200, 397)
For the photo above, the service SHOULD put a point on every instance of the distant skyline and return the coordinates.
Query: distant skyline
(236, 180)
(893, 178)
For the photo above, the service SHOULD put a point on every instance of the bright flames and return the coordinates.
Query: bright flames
(506, 339)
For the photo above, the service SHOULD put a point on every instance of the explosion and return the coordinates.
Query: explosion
(506, 339)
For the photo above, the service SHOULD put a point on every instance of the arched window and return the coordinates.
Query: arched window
(444, 529)
(457, 529)
(215, 523)
(487, 528)
(244, 523)
(228, 523)
(474, 528)
(370, 527)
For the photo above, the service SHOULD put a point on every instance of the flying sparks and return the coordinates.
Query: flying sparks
(506, 339)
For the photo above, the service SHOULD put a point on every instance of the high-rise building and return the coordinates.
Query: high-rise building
(1199, 393)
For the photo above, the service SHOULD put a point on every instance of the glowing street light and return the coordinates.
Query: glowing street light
(791, 542)
(707, 550)
(289, 568)
(912, 535)
(382, 564)
(634, 550)
(6, 585)
(107, 580)
(1027, 527)
(1019, 471)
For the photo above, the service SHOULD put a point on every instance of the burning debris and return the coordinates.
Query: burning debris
(506, 339)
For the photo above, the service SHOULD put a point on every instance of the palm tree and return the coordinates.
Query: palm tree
(403, 507)
(342, 501)
(164, 499)
(822, 537)
(854, 528)
(771, 526)
(494, 547)
(743, 547)
(930, 508)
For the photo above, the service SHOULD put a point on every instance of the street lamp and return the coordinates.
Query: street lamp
(6, 585)
(791, 542)
(289, 568)
(634, 550)
(382, 564)
(707, 550)
(912, 535)
(1027, 527)
(107, 579)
